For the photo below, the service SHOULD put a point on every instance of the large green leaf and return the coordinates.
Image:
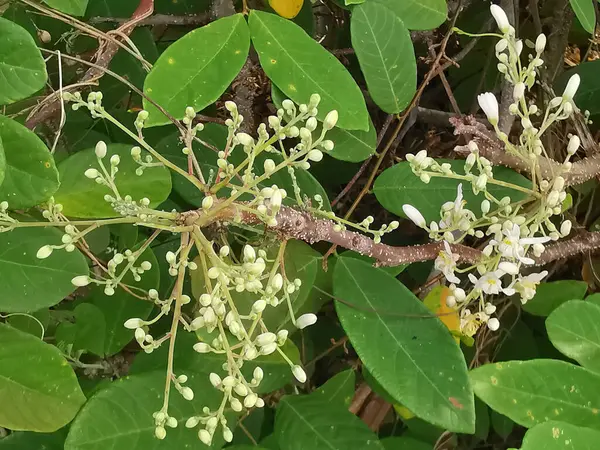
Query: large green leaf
(418, 14)
(309, 422)
(196, 69)
(300, 67)
(120, 416)
(531, 392)
(87, 332)
(574, 329)
(405, 443)
(588, 94)
(385, 52)
(277, 372)
(82, 197)
(31, 176)
(22, 68)
(122, 306)
(398, 185)
(30, 440)
(29, 283)
(72, 7)
(560, 436)
(339, 389)
(407, 349)
(584, 10)
(38, 388)
(550, 296)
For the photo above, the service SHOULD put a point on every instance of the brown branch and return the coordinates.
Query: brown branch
(584, 242)
(302, 225)
(158, 19)
(493, 149)
(106, 52)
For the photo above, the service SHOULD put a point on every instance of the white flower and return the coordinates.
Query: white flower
(489, 105)
(489, 283)
(512, 244)
(305, 320)
(572, 87)
(446, 263)
(526, 286)
(501, 18)
(413, 214)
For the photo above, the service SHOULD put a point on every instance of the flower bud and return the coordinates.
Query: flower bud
(493, 324)
(192, 422)
(519, 91)
(268, 349)
(81, 280)
(508, 267)
(489, 104)
(215, 379)
(204, 437)
(305, 320)
(572, 86)
(91, 173)
(100, 149)
(44, 252)
(501, 18)
(160, 432)
(330, 120)
(299, 373)
(250, 400)
(574, 144)
(227, 434)
(413, 214)
(565, 227)
(201, 347)
(315, 155)
(259, 306)
(187, 393)
(540, 43)
(269, 165)
(266, 339)
(133, 323)
(245, 139)
(311, 124)
(207, 202)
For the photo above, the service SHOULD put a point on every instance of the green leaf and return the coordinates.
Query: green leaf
(120, 416)
(87, 333)
(397, 338)
(584, 10)
(501, 424)
(386, 56)
(350, 145)
(308, 422)
(588, 94)
(196, 69)
(574, 329)
(31, 176)
(405, 443)
(338, 389)
(550, 296)
(121, 306)
(418, 14)
(559, 436)
(33, 441)
(300, 67)
(29, 283)
(82, 197)
(38, 388)
(398, 185)
(22, 67)
(72, 7)
(531, 392)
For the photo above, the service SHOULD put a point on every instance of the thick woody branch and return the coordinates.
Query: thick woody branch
(582, 243)
(301, 225)
(493, 149)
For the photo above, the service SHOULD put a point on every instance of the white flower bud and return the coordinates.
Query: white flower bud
(489, 104)
(493, 324)
(299, 373)
(540, 43)
(236, 405)
(311, 124)
(508, 267)
(115, 160)
(91, 173)
(565, 228)
(574, 144)
(501, 18)
(81, 280)
(413, 214)
(249, 253)
(44, 252)
(305, 320)
(277, 282)
(227, 434)
(201, 347)
(572, 87)
(100, 149)
(187, 393)
(230, 106)
(250, 400)
(519, 91)
(315, 155)
(485, 206)
(269, 165)
(258, 374)
(330, 120)
(133, 323)
(215, 379)
(501, 45)
(160, 432)
(276, 199)
(287, 104)
(266, 339)
(207, 202)
(268, 349)
(213, 273)
(244, 139)
(192, 422)
(204, 437)
(259, 306)
(327, 145)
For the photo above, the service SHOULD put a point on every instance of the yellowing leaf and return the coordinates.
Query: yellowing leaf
(287, 8)
(436, 302)
(403, 412)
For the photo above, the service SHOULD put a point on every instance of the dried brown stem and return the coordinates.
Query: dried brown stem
(158, 19)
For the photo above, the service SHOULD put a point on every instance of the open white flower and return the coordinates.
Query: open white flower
(527, 285)
(446, 263)
(489, 283)
(512, 244)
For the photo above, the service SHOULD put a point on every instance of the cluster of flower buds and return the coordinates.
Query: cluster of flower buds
(514, 232)
(7, 223)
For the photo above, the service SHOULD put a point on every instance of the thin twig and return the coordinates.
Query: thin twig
(158, 19)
